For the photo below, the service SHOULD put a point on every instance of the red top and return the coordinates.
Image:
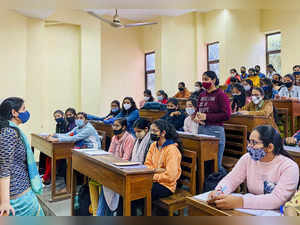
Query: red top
(164, 101)
(236, 76)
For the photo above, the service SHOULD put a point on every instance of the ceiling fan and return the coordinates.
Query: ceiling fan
(117, 22)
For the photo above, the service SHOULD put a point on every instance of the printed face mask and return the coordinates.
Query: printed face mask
(190, 110)
(256, 154)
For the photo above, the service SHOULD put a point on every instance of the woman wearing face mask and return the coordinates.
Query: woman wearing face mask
(233, 73)
(183, 92)
(70, 118)
(174, 115)
(162, 97)
(147, 98)
(271, 175)
(244, 74)
(259, 106)
(19, 177)
(270, 71)
(238, 97)
(212, 111)
(267, 86)
(276, 81)
(190, 125)
(248, 85)
(129, 112)
(290, 91)
(198, 90)
(121, 146)
(115, 110)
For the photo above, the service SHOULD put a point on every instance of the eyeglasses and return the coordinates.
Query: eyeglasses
(253, 142)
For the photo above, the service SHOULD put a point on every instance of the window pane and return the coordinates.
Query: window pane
(150, 62)
(151, 82)
(215, 67)
(274, 42)
(213, 52)
(275, 60)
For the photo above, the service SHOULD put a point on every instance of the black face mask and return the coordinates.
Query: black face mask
(117, 132)
(154, 137)
(181, 89)
(171, 110)
(257, 70)
(60, 120)
(243, 72)
(288, 84)
(277, 82)
(71, 119)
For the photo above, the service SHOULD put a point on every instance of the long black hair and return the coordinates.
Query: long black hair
(212, 75)
(164, 94)
(133, 106)
(149, 93)
(6, 108)
(171, 133)
(269, 135)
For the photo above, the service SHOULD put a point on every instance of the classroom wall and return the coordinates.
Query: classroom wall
(287, 22)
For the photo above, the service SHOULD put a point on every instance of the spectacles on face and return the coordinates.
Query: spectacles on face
(253, 142)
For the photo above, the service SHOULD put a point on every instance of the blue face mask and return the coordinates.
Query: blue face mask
(60, 120)
(79, 123)
(24, 116)
(256, 154)
(115, 110)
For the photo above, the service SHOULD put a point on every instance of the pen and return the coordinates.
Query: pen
(281, 210)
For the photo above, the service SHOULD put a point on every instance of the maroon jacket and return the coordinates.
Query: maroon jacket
(216, 106)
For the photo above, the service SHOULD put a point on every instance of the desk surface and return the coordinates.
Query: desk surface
(197, 137)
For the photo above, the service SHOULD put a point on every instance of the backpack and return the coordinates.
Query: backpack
(154, 105)
(84, 200)
(213, 179)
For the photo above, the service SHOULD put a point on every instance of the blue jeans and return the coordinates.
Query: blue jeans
(103, 208)
(218, 132)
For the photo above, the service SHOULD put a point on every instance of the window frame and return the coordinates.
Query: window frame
(207, 58)
(273, 52)
(148, 71)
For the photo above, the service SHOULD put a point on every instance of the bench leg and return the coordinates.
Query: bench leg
(171, 211)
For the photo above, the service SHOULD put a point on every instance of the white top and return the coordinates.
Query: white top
(190, 126)
(293, 93)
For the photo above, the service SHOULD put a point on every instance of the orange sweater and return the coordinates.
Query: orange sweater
(168, 158)
(185, 94)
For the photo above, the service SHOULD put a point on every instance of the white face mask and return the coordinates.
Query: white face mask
(160, 97)
(127, 106)
(197, 89)
(247, 88)
(190, 111)
(140, 135)
(256, 100)
(146, 99)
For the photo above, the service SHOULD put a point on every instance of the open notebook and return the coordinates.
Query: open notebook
(254, 212)
(93, 152)
(292, 148)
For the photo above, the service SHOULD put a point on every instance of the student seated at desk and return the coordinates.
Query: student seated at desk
(174, 115)
(121, 146)
(129, 112)
(289, 91)
(162, 97)
(238, 97)
(292, 207)
(115, 110)
(270, 71)
(233, 74)
(190, 125)
(258, 72)
(248, 86)
(293, 140)
(213, 109)
(233, 81)
(183, 92)
(198, 90)
(147, 98)
(244, 74)
(267, 85)
(70, 114)
(259, 106)
(268, 170)
(254, 77)
(277, 83)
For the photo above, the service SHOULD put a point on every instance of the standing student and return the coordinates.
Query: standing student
(198, 90)
(174, 115)
(248, 86)
(190, 125)
(267, 85)
(289, 91)
(121, 146)
(147, 98)
(19, 178)
(162, 97)
(270, 173)
(258, 72)
(233, 74)
(183, 92)
(277, 83)
(129, 112)
(213, 110)
(259, 106)
(114, 111)
(70, 117)
(244, 74)
(270, 71)
(254, 77)
(238, 97)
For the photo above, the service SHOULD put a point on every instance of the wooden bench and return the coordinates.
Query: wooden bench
(236, 144)
(103, 141)
(188, 179)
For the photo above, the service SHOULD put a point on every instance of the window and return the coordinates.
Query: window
(273, 48)
(213, 57)
(150, 71)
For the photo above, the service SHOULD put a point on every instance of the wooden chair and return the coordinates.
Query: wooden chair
(188, 179)
(236, 144)
(283, 114)
(103, 141)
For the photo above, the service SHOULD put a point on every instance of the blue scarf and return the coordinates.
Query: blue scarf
(35, 180)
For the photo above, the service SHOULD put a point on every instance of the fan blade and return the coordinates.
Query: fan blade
(100, 18)
(138, 24)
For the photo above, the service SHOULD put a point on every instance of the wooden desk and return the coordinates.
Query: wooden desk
(293, 111)
(182, 103)
(103, 127)
(295, 155)
(55, 151)
(152, 115)
(206, 148)
(250, 121)
(201, 208)
(131, 184)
